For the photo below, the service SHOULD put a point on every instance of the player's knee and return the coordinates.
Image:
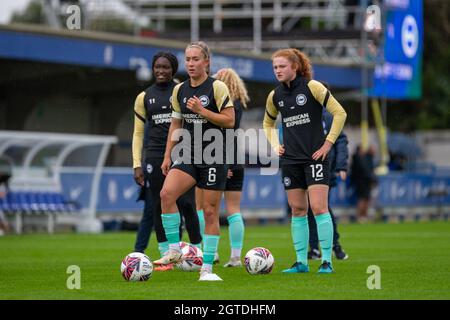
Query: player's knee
(167, 196)
(298, 209)
(209, 212)
(318, 208)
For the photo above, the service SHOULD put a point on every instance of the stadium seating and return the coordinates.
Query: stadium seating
(32, 203)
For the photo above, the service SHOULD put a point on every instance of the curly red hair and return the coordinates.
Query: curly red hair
(297, 57)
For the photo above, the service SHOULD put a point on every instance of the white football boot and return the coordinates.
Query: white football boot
(172, 256)
(234, 262)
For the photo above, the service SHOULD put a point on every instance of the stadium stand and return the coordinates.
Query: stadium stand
(32, 169)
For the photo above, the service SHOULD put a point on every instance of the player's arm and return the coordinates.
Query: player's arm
(326, 99)
(225, 117)
(138, 138)
(270, 117)
(341, 146)
(172, 137)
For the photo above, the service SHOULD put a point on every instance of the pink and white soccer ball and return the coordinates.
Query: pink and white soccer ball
(136, 266)
(192, 257)
(259, 260)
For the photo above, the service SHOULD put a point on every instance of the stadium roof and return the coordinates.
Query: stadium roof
(105, 50)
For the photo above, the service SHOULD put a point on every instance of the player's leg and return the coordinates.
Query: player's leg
(211, 205)
(295, 186)
(212, 180)
(317, 179)
(314, 252)
(298, 201)
(236, 227)
(177, 182)
(186, 205)
(318, 197)
(339, 253)
(146, 223)
(199, 203)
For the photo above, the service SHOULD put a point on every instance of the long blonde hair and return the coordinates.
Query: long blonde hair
(235, 85)
(296, 56)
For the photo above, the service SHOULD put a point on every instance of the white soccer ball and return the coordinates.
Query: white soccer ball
(192, 257)
(258, 260)
(136, 267)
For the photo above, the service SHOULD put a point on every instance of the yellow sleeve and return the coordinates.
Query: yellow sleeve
(138, 133)
(324, 97)
(222, 95)
(269, 122)
(175, 104)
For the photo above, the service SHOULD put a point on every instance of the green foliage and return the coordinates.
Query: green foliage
(434, 108)
(32, 14)
(111, 24)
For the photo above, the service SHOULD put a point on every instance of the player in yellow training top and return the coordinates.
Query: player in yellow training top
(201, 105)
(303, 154)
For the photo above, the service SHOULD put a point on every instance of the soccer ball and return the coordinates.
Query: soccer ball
(192, 257)
(258, 261)
(136, 267)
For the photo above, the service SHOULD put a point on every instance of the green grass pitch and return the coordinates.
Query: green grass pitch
(414, 259)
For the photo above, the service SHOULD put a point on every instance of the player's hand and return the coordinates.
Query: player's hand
(343, 175)
(195, 105)
(139, 176)
(321, 154)
(229, 174)
(281, 150)
(165, 167)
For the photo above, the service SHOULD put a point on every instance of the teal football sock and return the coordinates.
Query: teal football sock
(236, 230)
(325, 233)
(201, 221)
(171, 224)
(198, 245)
(300, 237)
(211, 243)
(163, 247)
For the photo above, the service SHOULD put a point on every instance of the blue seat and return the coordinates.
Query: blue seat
(13, 201)
(33, 202)
(4, 204)
(50, 201)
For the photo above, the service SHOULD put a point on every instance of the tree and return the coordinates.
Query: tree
(32, 14)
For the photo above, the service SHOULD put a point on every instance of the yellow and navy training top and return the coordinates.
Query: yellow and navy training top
(300, 105)
(238, 108)
(152, 118)
(214, 96)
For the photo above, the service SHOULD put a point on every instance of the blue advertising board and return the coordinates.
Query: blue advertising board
(118, 191)
(399, 76)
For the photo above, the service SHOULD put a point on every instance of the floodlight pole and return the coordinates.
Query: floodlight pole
(364, 80)
(257, 29)
(195, 24)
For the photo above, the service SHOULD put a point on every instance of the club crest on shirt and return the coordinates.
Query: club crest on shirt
(204, 100)
(300, 99)
(280, 103)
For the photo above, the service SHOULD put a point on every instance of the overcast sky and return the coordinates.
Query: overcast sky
(7, 7)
